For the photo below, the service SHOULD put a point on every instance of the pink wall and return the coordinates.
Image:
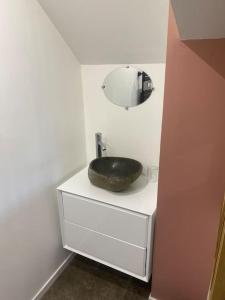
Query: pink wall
(192, 168)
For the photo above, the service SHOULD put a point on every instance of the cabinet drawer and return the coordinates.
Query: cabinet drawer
(107, 219)
(105, 248)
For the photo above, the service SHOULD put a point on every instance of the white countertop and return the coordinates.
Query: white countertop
(140, 197)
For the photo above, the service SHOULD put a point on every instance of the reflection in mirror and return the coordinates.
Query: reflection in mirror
(127, 86)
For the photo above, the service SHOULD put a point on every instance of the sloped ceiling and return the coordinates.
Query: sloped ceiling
(112, 31)
(200, 19)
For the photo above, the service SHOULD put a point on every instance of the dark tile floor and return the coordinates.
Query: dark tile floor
(85, 279)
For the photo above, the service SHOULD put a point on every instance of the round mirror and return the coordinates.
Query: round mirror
(127, 86)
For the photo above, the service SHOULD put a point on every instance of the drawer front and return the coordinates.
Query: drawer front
(109, 250)
(107, 219)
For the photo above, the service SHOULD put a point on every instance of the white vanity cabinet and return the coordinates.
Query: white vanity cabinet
(115, 229)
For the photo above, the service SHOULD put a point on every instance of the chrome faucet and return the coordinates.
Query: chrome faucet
(100, 146)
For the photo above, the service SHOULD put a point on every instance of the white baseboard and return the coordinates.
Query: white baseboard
(53, 277)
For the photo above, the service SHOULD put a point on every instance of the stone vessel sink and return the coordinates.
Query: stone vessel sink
(114, 173)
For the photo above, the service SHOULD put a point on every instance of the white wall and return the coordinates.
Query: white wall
(135, 133)
(41, 142)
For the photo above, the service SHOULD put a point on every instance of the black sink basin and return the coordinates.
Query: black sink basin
(114, 173)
